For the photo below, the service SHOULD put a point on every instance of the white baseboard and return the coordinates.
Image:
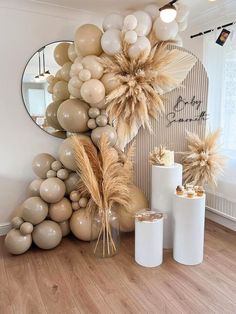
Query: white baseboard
(4, 228)
(226, 222)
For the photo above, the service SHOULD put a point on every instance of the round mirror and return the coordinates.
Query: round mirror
(44, 84)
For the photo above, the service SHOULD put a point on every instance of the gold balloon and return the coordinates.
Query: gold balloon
(65, 71)
(52, 190)
(127, 215)
(92, 91)
(65, 227)
(17, 243)
(93, 64)
(33, 189)
(88, 40)
(60, 91)
(72, 53)
(110, 82)
(60, 211)
(73, 115)
(35, 209)
(47, 235)
(41, 164)
(61, 53)
(80, 225)
(108, 130)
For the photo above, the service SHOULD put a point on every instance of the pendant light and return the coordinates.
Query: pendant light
(168, 12)
(46, 73)
(37, 77)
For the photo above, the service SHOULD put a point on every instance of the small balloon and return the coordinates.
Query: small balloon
(56, 165)
(101, 120)
(131, 37)
(51, 174)
(75, 205)
(93, 64)
(83, 202)
(75, 91)
(41, 164)
(60, 91)
(94, 113)
(142, 45)
(63, 174)
(75, 69)
(80, 224)
(17, 243)
(72, 182)
(92, 124)
(33, 189)
(130, 23)
(74, 196)
(111, 42)
(144, 23)
(26, 228)
(16, 222)
(84, 75)
(93, 91)
(108, 130)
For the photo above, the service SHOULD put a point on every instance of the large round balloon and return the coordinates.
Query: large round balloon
(16, 243)
(34, 210)
(65, 71)
(41, 164)
(47, 235)
(60, 211)
(33, 188)
(73, 115)
(110, 82)
(66, 152)
(165, 31)
(111, 42)
(52, 190)
(93, 64)
(72, 53)
(80, 225)
(108, 130)
(144, 23)
(60, 91)
(92, 91)
(61, 53)
(88, 40)
(127, 215)
(51, 115)
(142, 45)
(114, 21)
(72, 182)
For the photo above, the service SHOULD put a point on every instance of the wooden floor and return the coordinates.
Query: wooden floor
(70, 280)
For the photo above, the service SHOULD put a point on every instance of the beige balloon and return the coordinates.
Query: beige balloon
(60, 91)
(52, 190)
(92, 91)
(108, 130)
(26, 228)
(88, 40)
(92, 124)
(80, 225)
(75, 205)
(83, 202)
(17, 243)
(110, 82)
(41, 164)
(51, 115)
(75, 196)
(94, 113)
(33, 188)
(56, 165)
(72, 182)
(101, 120)
(51, 174)
(60, 211)
(73, 115)
(65, 227)
(16, 222)
(65, 71)
(93, 64)
(66, 152)
(47, 235)
(74, 91)
(61, 53)
(100, 105)
(127, 215)
(63, 174)
(72, 53)
(35, 209)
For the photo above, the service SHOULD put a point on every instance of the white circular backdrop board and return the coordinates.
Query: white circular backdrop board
(192, 105)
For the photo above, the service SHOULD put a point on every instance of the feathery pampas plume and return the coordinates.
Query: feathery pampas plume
(142, 82)
(203, 163)
(156, 157)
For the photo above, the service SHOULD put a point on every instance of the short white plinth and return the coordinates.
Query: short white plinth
(188, 229)
(164, 182)
(149, 242)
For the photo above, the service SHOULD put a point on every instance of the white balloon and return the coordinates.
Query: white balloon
(152, 10)
(142, 44)
(130, 23)
(131, 37)
(111, 42)
(114, 21)
(144, 23)
(182, 13)
(179, 41)
(75, 69)
(165, 31)
(183, 25)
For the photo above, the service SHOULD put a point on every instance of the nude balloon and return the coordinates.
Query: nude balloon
(110, 82)
(65, 227)
(93, 64)
(72, 53)
(65, 71)
(16, 222)
(88, 40)
(74, 86)
(73, 115)
(72, 182)
(108, 130)
(92, 91)
(60, 211)
(52, 190)
(60, 91)
(47, 235)
(35, 210)
(80, 224)
(33, 188)
(41, 164)
(16, 243)
(61, 53)
(51, 115)
(26, 228)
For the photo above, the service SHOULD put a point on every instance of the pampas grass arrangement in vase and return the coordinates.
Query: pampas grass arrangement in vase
(107, 178)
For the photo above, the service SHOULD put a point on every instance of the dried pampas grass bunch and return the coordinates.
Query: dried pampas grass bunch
(142, 82)
(156, 157)
(203, 163)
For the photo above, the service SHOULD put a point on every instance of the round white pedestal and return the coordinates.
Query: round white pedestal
(188, 229)
(149, 242)
(164, 183)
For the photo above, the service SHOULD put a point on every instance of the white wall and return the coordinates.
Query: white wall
(24, 28)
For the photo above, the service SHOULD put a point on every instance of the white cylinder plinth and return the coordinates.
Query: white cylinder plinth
(164, 183)
(188, 229)
(149, 242)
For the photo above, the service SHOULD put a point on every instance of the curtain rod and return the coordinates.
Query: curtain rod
(212, 30)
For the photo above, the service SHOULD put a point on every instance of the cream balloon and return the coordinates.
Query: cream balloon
(80, 225)
(74, 91)
(144, 23)
(92, 124)
(114, 21)
(60, 211)
(108, 130)
(111, 42)
(73, 115)
(41, 164)
(92, 91)
(33, 188)
(94, 113)
(65, 227)
(52, 190)
(101, 120)
(51, 115)
(182, 13)
(51, 174)
(58, 75)
(110, 82)
(88, 40)
(63, 174)
(34, 209)
(56, 165)
(16, 243)
(83, 202)
(74, 196)
(60, 91)
(165, 31)
(130, 23)
(72, 53)
(61, 53)
(72, 182)
(153, 11)
(142, 45)
(26, 228)
(47, 235)
(101, 105)
(75, 69)
(65, 71)
(93, 64)
(131, 37)
(85, 75)
(75, 82)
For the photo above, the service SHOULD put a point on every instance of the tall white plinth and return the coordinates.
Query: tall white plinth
(188, 224)
(164, 182)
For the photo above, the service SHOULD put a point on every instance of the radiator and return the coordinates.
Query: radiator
(217, 204)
